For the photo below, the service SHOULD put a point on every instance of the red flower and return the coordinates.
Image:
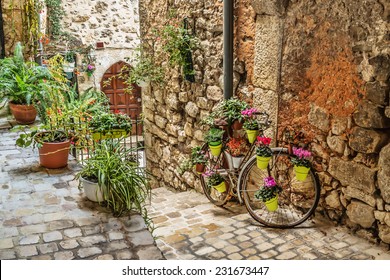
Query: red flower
(264, 140)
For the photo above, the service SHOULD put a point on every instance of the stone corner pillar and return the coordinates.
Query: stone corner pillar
(268, 53)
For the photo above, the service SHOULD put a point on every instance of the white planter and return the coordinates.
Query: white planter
(237, 161)
(68, 66)
(92, 190)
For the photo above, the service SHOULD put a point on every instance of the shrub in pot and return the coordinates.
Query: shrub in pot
(119, 181)
(23, 84)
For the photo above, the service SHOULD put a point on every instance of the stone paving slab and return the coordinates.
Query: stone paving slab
(43, 215)
(199, 230)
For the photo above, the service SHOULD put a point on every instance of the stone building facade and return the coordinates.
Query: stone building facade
(319, 67)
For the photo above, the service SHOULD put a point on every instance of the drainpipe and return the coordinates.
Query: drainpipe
(2, 41)
(228, 7)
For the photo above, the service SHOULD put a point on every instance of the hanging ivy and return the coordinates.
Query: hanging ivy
(30, 19)
(55, 13)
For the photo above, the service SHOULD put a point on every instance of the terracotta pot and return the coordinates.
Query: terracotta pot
(199, 168)
(23, 114)
(237, 125)
(54, 155)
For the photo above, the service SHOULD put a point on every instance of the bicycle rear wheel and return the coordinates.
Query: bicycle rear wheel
(297, 201)
(220, 165)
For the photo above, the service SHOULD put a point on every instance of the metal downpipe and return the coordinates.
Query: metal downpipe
(228, 7)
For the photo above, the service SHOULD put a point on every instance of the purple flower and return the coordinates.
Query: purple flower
(90, 67)
(249, 112)
(301, 153)
(269, 182)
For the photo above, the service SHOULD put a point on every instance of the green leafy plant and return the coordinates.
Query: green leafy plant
(268, 191)
(250, 121)
(232, 109)
(22, 82)
(213, 178)
(106, 121)
(55, 13)
(125, 186)
(197, 156)
(178, 43)
(214, 135)
(70, 56)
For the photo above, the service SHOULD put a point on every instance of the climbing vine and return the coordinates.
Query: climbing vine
(55, 12)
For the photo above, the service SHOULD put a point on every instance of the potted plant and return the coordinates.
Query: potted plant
(214, 139)
(108, 125)
(251, 125)
(199, 159)
(268, 193)
(237, 148)
(23, 84)
(53, 145)
(232, 109)
(215, 180)
(302, 164)
(263, 152)
(112, 176)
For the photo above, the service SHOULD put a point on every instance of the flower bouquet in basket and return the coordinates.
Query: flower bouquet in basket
(302, 164)
(215, 180)
(268, 193)
(251, 124)
(263, 152)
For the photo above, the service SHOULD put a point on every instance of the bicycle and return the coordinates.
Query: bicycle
(297, 201)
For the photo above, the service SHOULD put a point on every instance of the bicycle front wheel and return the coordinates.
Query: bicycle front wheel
(296, 202)
(216, 164)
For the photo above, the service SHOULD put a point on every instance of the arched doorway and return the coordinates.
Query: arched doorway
(120, 101)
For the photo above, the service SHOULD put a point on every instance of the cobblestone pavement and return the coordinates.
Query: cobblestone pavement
(190, 227)
(43, 215)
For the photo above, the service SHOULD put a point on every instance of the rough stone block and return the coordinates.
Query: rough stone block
(363, 177)
(381, 66)
(270, 7)
(214, 93)
(191, 109)
(367, 140)
(339, 125)
(333, 200)
(319, 117)
(361, 214)
(87, 252)
(336, 143)
(160, 121)
(384, 173)
(267, 48)
(369, 115)
(354, 192)
(384, 233)
(377, 93)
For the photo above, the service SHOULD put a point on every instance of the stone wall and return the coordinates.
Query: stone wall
(335, 87)
(113, 22)
(12, 24)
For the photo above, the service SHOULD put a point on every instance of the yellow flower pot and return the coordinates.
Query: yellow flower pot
(220, 187)
(216, 150)
(252, 134)
(272, 204)
(262, 162)
(114, 133)
(301, 172)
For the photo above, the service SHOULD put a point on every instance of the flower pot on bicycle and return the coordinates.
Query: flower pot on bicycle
(262, 162)
(215, 148)
(220, 187)
(272, 204)
(301, 172)
(252, 134)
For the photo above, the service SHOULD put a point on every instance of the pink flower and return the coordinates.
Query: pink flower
(301, 153)
(249, 112)
(269, 182)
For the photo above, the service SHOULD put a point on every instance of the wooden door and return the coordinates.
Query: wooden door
(120, 101)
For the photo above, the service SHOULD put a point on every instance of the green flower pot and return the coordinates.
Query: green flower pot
(272, 204)
(252, 134)
(215, 150)
(301, 172)
(220, 187)
(262, 162)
